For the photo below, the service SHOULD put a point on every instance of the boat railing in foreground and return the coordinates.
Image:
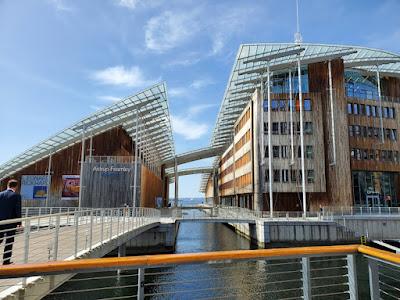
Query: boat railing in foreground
(329, 272)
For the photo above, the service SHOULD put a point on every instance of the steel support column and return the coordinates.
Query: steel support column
(332, 115)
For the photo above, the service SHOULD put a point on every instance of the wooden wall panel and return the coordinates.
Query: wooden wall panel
(113, 142)
(338, 177)
(151, 186)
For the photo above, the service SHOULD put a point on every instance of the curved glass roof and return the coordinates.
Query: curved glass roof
(154, 131)
(251, 62)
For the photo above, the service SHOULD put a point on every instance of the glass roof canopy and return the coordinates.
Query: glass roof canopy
(154, 139)
(249, 65)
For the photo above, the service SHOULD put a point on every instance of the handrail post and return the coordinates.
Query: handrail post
(352, 276)
(102, 226)
(76, 218)
(111, 222)
(140, 287)
(27, 231)
(56, 234)
(306, 278)
(91, 230)
(373, 276)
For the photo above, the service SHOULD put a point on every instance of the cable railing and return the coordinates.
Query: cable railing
(67, 235)
(331, 272)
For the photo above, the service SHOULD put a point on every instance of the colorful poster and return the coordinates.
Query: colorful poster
(34, 187)
(70, 190)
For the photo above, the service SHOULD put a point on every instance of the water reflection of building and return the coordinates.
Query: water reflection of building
(339, 127)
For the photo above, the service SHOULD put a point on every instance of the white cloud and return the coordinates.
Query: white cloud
(96, 107)
(196, 109)
(60, 5)
(189, 129)
(130, 4)
(109, 98)
(170, 29)
(121, 76)
(177, 91)
(200, 83)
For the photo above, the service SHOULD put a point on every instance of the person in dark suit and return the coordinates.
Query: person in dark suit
(10, 208)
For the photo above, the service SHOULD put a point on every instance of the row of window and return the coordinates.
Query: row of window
(243, 180)
(242, 121)
(284, 151)
(372, 132)
(285, 128)
(243, 140)
(374, 154)
(243, 160)
(370, 110)
(288, 105)
(295, 176)
(226, 157)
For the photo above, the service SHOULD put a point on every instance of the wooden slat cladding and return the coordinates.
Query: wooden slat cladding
(338, 177)
(114, 142)
(151, 186)
(390, 86)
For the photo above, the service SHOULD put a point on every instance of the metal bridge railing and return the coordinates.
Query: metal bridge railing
(67, 235)
(327, 272)
(335, 211)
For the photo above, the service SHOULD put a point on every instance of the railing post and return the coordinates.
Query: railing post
(352, 276)
(76, 220)
(27, 231)
(91, 230)
(373, 275)
(305, 270)
(56, 234)
(102, 226)
(118, 211)
(111, 221)
(140, 287)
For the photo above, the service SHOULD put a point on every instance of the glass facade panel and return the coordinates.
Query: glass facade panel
(372, 189)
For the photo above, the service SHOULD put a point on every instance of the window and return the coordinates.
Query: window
(284, 151)
(351, 130)
(386, 112)
(275, 151)
(370, 131)
(391, 113)
(265, 127)
(277, 177)
(275, 128)
(307, 105)
(349, 108)
(373, 111)
(274, 105)
(290, 105)
(357, 130)
(282, 105)
(355, 108)
(393, 135)
(353, 153)
(361, 109)
(266, 153)
(310, 176)
(293, 176)
(309, 152)
(367, 110)
(364, 132)
(266, 175)
(308, 128)
(372, 154)
(299, 152)
(285, 175)
(365, 154)
(284, 128)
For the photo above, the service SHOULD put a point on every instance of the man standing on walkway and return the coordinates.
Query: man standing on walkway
(10, 208)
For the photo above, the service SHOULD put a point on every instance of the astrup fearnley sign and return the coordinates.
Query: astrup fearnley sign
(111, 169)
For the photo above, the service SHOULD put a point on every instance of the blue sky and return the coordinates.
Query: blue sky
(61, 60)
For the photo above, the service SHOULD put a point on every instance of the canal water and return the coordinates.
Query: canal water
(276, 279)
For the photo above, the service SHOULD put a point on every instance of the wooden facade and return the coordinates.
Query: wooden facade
(114, 142)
